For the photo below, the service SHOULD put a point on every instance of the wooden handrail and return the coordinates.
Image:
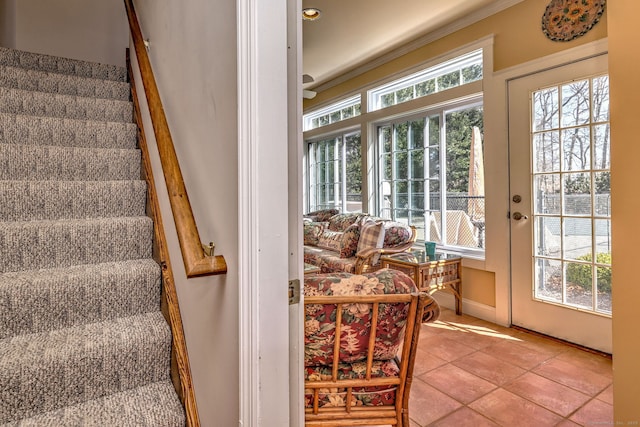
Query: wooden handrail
(180, 366)
(196, 262)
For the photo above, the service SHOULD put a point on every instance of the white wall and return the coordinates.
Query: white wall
(90, 30)
(193, 55)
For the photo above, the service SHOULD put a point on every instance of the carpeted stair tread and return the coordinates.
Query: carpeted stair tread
(49, 162)
(44, 300)
(33, 245)
(55, 64)
(47, 371)
(153, 405)
(18, 101)
(34, 130)
(64, 84)
(48, 200)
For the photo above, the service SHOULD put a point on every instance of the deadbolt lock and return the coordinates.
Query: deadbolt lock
(517, 198)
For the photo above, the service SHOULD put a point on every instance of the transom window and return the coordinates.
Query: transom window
(333, 113)
(335, 173)
(456, 72)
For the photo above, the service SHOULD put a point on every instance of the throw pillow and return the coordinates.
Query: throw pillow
(331, 240)
(371, 236)
(312, 232)
(349, 243)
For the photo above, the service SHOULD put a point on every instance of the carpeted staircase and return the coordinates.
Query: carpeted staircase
(82, 338)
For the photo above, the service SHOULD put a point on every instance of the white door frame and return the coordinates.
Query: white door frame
(263, 226)
(496, 102)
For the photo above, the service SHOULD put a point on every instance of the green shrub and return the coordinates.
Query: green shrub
(581, 274)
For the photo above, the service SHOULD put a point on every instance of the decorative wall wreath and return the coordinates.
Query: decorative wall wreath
(565, 20)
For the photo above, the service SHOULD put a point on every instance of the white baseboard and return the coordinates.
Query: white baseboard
(471, 308)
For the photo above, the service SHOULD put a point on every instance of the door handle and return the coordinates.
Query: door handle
(518, 216)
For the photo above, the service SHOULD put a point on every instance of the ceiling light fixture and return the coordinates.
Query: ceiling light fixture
(311, 14)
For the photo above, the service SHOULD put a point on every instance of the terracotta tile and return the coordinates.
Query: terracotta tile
(464, 417)
(426, 404)
(458, 383)
(546, 393)
(425, 362)
(541, 344)
(472, 336)
(590, 361)
(573, 376)
(507, 409)
(519, 355)
(444, 348)
(593, 413)
(489, 368)
(607, 395)
(568, 423)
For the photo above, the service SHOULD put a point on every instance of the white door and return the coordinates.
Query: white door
(560, 203)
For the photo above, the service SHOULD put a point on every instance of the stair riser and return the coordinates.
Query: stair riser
(35, 61)
(28, 163)
(35, 245)
(50, 200)
(41, 301)
(16, 101)
(41, 81)
(44, 372)
(32, 130)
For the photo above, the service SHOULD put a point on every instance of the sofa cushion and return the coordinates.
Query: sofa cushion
(328, 260)
(341, 222)
(356, 318)
(312, 232)
(364, 396)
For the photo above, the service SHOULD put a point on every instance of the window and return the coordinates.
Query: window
(335, 173)
(431, 174)
(456, 72)
(336, 112)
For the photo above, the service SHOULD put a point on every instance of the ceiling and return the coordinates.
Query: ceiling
(352, 32)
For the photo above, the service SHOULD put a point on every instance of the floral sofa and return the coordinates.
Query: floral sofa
(365, 377)
(353, 242)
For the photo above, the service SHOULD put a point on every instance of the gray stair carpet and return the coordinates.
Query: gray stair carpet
(82, 339)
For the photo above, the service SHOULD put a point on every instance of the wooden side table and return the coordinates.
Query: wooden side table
(441, 274)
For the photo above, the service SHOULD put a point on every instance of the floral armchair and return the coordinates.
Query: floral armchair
(364, 376)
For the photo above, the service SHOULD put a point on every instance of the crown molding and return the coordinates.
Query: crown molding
(461, 23)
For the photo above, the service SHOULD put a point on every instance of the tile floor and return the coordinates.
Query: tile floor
(470, 372)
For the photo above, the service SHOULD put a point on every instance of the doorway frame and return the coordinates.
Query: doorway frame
(496, 99)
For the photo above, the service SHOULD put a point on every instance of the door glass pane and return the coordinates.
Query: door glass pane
(576, 103)
(571, 194)
(576, 147)
(547, 152)
(548, 279)
(417, 164)
(601, 99)
(417, 134)
(547, 238)
(576, 237)
(546, 194)
(577, 194)
(546, 113)
(579, 279)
